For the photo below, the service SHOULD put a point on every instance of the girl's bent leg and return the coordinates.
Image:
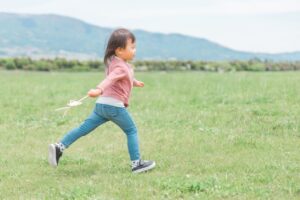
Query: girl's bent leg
(126, 123)
(92, 122)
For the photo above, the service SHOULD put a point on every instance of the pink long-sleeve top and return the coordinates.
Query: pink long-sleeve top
(119, 80)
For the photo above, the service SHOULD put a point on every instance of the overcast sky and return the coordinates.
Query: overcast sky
(250, 25)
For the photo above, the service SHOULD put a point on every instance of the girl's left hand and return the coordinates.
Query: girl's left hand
(139, 84)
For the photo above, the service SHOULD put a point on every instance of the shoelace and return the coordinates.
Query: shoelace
(135, 164)
(138, 163)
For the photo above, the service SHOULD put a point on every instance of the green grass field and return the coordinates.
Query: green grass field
(213, 136)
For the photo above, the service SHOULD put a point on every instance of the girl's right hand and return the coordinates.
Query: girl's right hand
(94, 92)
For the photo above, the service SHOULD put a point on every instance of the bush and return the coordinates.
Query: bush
(21, 62)
(10, 65)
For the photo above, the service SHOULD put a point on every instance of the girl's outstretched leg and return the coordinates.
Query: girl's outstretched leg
(92, 122)
(56, 150)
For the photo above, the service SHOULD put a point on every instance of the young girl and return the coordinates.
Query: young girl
(113, 97)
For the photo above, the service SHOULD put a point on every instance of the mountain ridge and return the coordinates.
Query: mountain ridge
(52, 35)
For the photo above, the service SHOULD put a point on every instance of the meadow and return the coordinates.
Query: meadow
(212, 135)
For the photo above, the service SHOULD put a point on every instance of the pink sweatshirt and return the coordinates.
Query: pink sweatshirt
(119, 80)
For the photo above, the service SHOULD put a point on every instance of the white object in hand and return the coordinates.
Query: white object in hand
(72, 103)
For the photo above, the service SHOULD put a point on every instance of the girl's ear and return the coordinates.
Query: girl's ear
(118, 51)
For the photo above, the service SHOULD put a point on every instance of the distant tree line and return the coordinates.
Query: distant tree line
(57, 64)
(62, 64)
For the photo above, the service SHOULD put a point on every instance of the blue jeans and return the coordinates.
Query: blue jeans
(101, 114)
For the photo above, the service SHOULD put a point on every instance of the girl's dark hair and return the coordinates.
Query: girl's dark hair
(118, 38)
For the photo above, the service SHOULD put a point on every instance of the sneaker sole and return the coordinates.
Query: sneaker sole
(144, 169)
(52, 155)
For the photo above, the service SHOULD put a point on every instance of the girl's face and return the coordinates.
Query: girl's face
(128, 52)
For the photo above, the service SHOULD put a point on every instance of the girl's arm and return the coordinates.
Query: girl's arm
(137, 83)
(117, 74)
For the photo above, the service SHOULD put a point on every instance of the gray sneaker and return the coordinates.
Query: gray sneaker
(54, 154)
(142, 166)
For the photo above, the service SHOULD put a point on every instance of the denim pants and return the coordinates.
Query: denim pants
(101, 114)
